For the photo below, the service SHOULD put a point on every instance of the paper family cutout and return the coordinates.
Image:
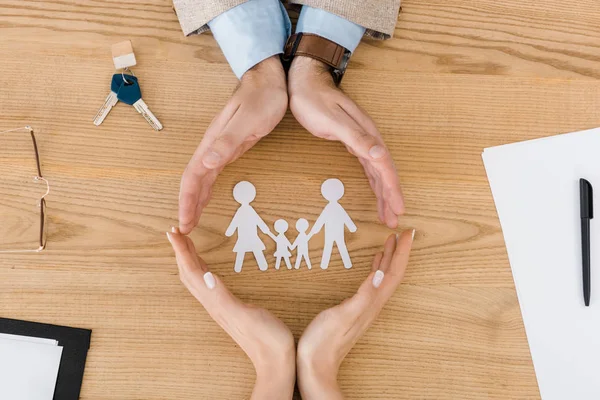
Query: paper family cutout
(247, 222)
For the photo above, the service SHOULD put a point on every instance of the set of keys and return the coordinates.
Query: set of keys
(126, 88)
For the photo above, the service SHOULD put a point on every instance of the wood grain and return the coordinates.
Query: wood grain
(458, 77)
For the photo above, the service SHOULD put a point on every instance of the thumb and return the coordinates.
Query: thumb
(193, 271)
(222, 149)
(362, 143)
(206, 287)
(389, 268)
(245, 125)
(229, 139)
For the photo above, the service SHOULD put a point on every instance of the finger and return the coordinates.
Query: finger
(189, 201)
(368, 174)
(360, 141)
(197, 180)
(370, 296)
(190, 265)
(364, 139)
(380, 200)
(360, 116)
(379, 154)
(205, 286)
(216, 126)
(191, 219)
(207, 188)
(391, 219)
(194, 273)
(371, 176)
(192, 194)
(399, 262)
(388, 252)
(380, 208)
(392, 189)
(396, 269)
(376, 261)
(225, 147)
(383, 282)
(378, 187)
(379, 167)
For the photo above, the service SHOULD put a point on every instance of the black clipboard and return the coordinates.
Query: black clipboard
(75, 343)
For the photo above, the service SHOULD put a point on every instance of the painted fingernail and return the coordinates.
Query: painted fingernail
(174, 229)
(169, 237)
(413, 234)
(377, 152)
(378, 278)
(209, 279)
(211, 160)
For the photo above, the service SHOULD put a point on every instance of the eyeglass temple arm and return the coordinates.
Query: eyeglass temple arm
(37, 179)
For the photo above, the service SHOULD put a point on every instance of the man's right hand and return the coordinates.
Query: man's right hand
(254, 110)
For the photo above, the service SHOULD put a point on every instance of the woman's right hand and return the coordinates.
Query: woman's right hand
(332, 334)
(264, 338)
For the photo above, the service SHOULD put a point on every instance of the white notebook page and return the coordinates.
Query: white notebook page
(535, 186)
(28, 369)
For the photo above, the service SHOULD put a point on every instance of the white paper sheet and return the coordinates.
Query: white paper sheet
(535, 186)
(32, 339)
(28, 370)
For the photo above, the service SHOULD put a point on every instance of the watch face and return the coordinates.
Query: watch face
(338, 73)
(345, 60)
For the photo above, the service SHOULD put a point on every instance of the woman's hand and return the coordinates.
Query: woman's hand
(326, 112)
(330, 336)
(264, 338)
(254, 110)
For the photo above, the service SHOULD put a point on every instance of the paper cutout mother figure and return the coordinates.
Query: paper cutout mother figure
(335, 219)
(247, 222)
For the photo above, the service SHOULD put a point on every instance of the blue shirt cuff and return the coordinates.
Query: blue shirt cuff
(330, 26)
(251, 32)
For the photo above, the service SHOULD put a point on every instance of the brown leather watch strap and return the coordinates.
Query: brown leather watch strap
(317, 47)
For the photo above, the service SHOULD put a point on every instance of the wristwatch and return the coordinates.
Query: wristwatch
(319, 48)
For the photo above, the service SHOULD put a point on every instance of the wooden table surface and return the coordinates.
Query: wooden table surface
(458, 77)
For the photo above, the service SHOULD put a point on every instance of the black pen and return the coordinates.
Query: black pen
(586, 198)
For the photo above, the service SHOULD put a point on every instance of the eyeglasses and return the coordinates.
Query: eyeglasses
(42, 201)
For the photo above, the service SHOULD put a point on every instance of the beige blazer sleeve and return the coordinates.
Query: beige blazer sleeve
(195, 14)
(378, 16)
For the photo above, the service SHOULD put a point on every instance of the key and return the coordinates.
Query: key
(132, 94)
(111, 99)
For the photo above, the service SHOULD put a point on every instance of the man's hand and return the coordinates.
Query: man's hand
(326, 112)
(264, 338)
(332, 334)
(254, 110)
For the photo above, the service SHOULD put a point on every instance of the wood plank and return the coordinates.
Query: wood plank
(457, 78)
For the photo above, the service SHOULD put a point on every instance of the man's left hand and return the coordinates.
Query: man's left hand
(326, 112)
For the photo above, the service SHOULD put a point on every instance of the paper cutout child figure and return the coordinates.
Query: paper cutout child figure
(334, 218)
(247, 222)
(302, 243)
(283, 244)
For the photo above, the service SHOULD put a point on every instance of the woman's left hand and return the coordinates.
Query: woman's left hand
(264, 338)
(330, 336)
